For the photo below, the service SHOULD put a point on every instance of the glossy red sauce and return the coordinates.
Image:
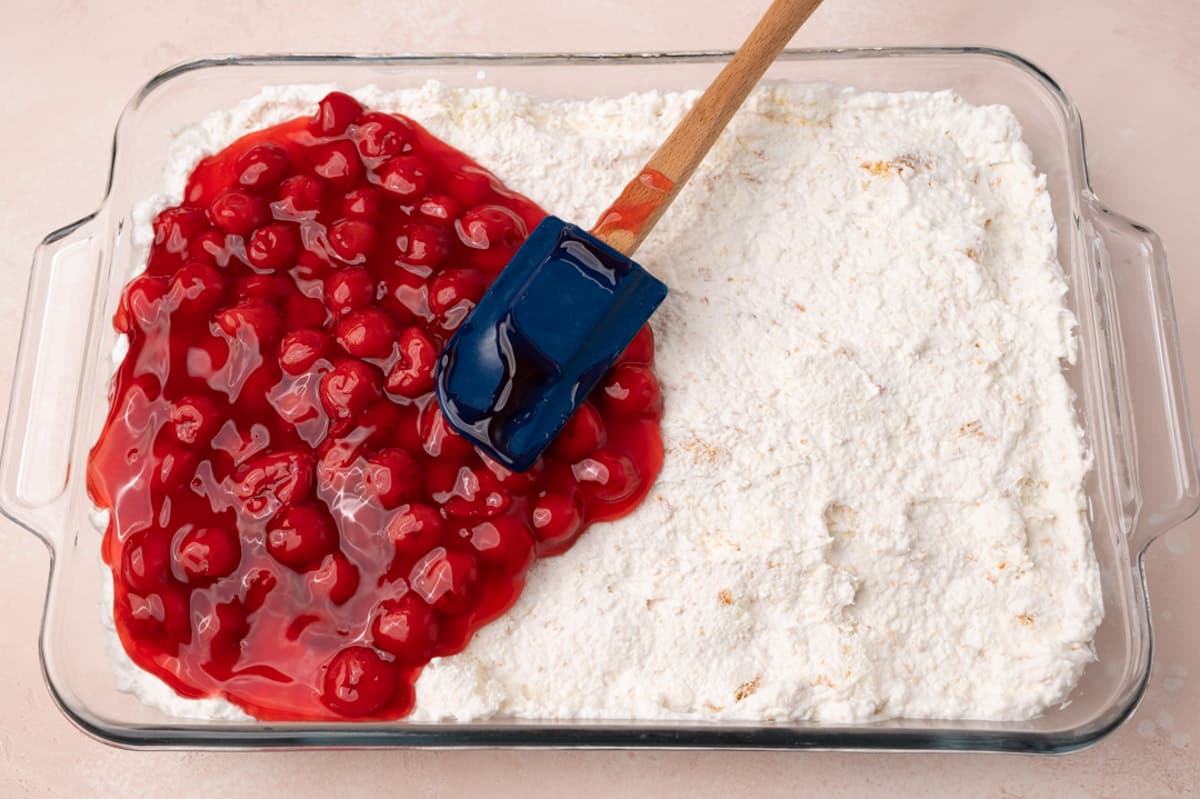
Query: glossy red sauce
(632, 216)
(293, 525)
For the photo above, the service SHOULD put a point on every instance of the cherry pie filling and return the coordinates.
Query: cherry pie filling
(293, 525)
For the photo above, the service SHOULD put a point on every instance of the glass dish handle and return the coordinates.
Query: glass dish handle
(35, 464)
(1162, 441)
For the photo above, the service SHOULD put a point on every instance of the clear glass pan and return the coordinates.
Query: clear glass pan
(1128, 380)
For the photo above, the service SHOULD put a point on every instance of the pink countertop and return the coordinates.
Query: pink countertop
(1133, 69)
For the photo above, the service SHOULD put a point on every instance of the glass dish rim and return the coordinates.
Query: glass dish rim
(538, 734)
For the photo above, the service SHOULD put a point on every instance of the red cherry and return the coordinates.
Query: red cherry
(477, 494)
(312, 265)
(381, 135)
(607, 476)
(365, 202)
(336, 112)
(338, 470)
(146, 561)
(454, 292)
(486, 226)
(406, 296)
(439, 208)
(238, 211)
(405, 627)
(337, 578)
(405, 176)
(142, 304)
(300, 536)
(632, 389)
(299, 195)
(412, 374)
(210, 247)
(197, 288)
(353, 240)
(252, 319)
(337, 162)
(493, 233)
(415, 529)
(423, 244)
(286, 476)
(175, 228)
(582, 433)
(472, 186)
(556, 519)
(504, 543)
(173, 466)
(253, 394)
(304, 311)
(366, 333)
(447, 580)
(349, 288)
(274, 246)
(194, 420)
(439, 439)
(358, 682)
(205, 554)
(516, 482)
(162, 614)
(262, 166)
(349, 387)
(394, 477)
(641, 349)
(445, 478)
(300, 349)
(406, 432)
(377, 424)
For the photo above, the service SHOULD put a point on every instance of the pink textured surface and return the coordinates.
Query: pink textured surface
(1132, 68)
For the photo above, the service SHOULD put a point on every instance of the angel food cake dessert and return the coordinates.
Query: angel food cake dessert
(840, 479)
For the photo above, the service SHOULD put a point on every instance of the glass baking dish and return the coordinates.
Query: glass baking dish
(1128, 381)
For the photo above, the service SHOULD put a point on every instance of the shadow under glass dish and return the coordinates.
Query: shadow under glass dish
(1128, 383)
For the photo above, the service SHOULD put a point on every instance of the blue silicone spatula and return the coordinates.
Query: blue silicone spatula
(570, 301)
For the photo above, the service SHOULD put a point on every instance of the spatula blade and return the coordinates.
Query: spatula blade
(540, 339)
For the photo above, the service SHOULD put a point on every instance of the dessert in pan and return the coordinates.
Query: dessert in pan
(841, 479)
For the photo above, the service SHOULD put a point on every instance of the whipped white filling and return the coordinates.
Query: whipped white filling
(872, 503)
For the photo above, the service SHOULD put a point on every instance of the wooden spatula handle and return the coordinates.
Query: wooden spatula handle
(635, 212)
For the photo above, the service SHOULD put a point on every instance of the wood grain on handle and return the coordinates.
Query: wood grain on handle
(635, 212)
